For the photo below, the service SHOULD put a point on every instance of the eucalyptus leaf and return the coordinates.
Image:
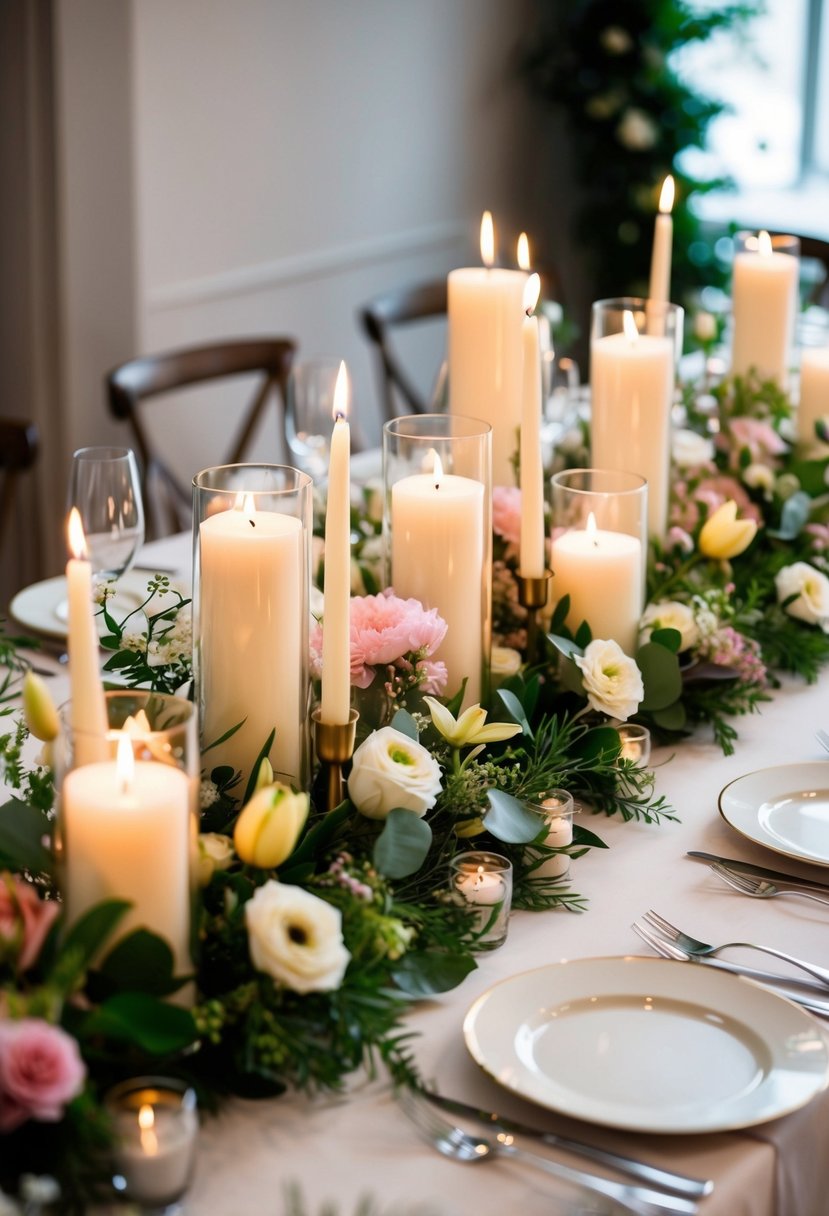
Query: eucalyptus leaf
(670, 638)
(560, 613)
(23, 829)
(793, 517)
(565, 646)
(515, 710)
(91, 932)
(812, 473)
(601, 741)
(405, 723)
(510, 820)
(402, 846)
(660, 675)
(673, 717)
(428, 972)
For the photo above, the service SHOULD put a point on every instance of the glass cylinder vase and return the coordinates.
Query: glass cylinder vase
(599, 551)
(251, 587)
(634, 351)
(437, 527)
(764, 298)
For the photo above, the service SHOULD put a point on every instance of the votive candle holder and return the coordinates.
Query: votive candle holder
(483, 881)
(556, 808)
(155, 1123)
(636, 743)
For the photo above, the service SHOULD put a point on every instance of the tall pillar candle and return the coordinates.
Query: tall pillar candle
(532, 558)
(485, 312)
(814, 395)
(764, 303)
(603, 575)
(663, 236)
(88, 709)
(336, 636)
(251, 637)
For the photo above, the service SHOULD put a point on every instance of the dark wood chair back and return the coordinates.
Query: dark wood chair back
(167, 502)
(817, 250)
(18, 452)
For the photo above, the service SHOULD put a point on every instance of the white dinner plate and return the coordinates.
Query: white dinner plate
(42, 607)
(784, 808)
(648, 1045)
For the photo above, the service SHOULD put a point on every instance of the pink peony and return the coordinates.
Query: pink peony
(384, 628)
(25, 919)
(506, 513)
(41, 1070)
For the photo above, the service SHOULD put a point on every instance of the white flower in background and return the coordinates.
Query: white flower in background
(705, 326)
(616, 40)
(215, 853)
(208, 793)
(317, 603)
(504, 662)
(689, 449)
(296, 938)
(706, 618)
(604, 105)
(637, 130)
(176, 645)
(612, 681)
(811, 589)
(759, 477)
(670, 614)
(373, 499)
(103, 592)
(391, 770)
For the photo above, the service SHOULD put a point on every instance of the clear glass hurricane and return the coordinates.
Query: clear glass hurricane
(105, 487)
(310, 415)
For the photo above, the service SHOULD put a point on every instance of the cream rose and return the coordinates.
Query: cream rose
(670, 614)
(689, 449)
(391, 770)
(612, 681)
(811, 589)
(296, 938)
(215, 853)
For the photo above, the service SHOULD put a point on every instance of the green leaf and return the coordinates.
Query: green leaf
(149, 1024)
(124, 658)
(586, 837)
(402, 846)
(560, 614)
(454, 706)
(141, 961)
(793, 517)
(89, 935)
(426, 972)
(22, 831)
(223, 738)
(584, 635)
(811, 474)
(671, 639)
(602, 742)
(511, 820)
(515, 710)
(315, 842)
(673, 717)
(405, 723)
(660, 675)
(565, 645)
(254, 772)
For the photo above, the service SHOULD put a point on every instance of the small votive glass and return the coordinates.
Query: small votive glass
(636, 743)
(484, 882)
(155, 1124)
(556, 808)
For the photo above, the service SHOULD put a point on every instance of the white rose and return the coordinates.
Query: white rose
(670, 614)
(705, 327)
(612, 681)
(296, 938)
(812, 591)
(504, 662)
(215, 853)
(689, 449)
(391, 770)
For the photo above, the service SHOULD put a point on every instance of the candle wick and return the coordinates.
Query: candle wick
(252, 523)
(529, 312)
(339, 416)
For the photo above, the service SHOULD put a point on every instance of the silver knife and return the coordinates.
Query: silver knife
(666, 1180)
(778, 877)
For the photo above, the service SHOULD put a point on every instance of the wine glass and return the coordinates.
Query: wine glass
(105, 487)
(310, 415)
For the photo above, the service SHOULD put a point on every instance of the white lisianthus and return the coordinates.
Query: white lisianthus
(612, 681)
(689, 449)
(296, 938)
(391, 770)
(811, 589)
(215, 853)
(637, 130)
(670, 614)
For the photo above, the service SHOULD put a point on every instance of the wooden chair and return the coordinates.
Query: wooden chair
(813, 249)
(18, 452)
(167, 502)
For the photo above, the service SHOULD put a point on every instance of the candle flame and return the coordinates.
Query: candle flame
(591, 528)
(75, 533)
(340, 409)
(523, 252)
(146, 1117)
(487, 239)
(437, 470)
(666, 198)
(764, 246)
(146, 1123)
(629, 326)
(124, 763)
(480, 873)
(532, 290)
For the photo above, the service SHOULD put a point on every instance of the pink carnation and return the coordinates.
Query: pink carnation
(25, 919)
(506, 513)
(760, 438)
(41, 1070)
(384, 628)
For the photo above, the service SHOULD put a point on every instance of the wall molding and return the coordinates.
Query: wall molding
(319, 264)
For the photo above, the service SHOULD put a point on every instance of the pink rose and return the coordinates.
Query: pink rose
(25, 919)
(41, 1070)
(506, 513)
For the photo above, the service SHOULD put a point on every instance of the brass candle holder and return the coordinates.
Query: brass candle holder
(335, 747)
(532, 595)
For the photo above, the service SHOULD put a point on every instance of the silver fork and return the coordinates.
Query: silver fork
(759, 888)
(692, 945)
(459, 1145)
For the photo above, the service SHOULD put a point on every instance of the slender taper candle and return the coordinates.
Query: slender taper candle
(532, 561)
(336, 631)
(88, 708)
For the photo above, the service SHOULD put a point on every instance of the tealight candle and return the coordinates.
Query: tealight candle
(557, 808)
(485, 880)
(636, 743)
(156, 1125)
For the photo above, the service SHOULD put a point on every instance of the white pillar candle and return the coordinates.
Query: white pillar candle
(602, 573)
(126, 831)
(251, 636)
(484, 312)
(814, 395)
(532, 560)
(632, 388)
(336, 636)
(764, 302)
(663, 236)
(437, 557)
(88, 713)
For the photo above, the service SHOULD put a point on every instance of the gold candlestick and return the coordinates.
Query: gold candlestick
(532, 595)
(335, 747)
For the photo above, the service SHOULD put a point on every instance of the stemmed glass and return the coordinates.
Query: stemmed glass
(105, 487)
(310, 414)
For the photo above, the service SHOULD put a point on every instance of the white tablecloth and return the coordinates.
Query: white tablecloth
(339, 1149)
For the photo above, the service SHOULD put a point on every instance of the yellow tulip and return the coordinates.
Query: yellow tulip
(269, 826)
(264, 776)
(724, 535)
(39, 708)
(470, 728)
